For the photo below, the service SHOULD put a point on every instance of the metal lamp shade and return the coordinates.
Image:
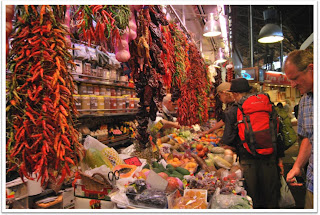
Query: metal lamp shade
(220, 57)
(212, 27)
(270, 33)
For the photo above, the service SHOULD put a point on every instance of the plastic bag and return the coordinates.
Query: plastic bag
(80, 52)
(286, 199)
(229, 201)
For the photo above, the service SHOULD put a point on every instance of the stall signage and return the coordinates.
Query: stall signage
(133, 161)
(276, 78)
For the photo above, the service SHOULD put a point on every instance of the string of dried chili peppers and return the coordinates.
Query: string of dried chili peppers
(41, 138)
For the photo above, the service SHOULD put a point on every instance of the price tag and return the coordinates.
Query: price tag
(133, 161)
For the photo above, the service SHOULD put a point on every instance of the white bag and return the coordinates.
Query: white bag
(286, 199)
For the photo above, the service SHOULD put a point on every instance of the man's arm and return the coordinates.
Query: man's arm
(215, 127)
(169, 124)
(302, 159)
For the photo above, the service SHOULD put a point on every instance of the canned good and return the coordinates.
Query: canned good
(93, 103)
(103, 90)
(85, 104)
(96, 90)
(100, 100)
(107, 103)
(89, 89)
(77, 101)
(83, 89)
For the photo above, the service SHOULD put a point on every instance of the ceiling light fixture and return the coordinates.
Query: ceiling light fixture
(221, 57)
(212, 27)
(271, 32)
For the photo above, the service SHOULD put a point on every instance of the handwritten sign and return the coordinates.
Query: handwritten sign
(133, 161)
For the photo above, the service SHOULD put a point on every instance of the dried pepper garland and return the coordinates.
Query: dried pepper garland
(100, 24)
(41, 137)
(148, 68)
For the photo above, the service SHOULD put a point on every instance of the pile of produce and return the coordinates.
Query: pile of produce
(41, 137)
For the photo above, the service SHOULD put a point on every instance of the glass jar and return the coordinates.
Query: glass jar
(106, 74)
(131, 104)
(85, 104)
(102, 90)
(113, 92)
(76, 89)
(118, 92)
(107, 104)
(113, 104)
(83, 89)
(113, 75)
(119, 104)
(99, 72)
(136, 103)
(89, 89)
(108, 91)
(96, 90)
(93, 103)
(100, 100)
(87, 68)
(77, 101)
(94, 72)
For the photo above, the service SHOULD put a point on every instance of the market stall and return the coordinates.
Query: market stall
(83, 82)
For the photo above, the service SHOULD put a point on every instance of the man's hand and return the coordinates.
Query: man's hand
(292, 173)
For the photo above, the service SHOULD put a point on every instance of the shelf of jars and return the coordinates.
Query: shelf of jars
(106, 112)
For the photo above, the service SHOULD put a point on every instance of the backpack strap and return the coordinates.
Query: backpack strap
(249, 137)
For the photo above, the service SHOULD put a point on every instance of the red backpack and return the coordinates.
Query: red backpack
(257, 123)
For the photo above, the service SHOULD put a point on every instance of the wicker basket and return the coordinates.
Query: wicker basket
(93, 183)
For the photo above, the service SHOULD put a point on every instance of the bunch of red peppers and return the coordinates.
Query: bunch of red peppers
(41, 138)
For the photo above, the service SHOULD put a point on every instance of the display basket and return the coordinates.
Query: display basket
(92, 187)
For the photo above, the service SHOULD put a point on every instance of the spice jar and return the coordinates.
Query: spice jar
(85, 104)
(83, 89)
(100, 100)
(113, 104)
(131, 104)
(96, 90)
(94, 72)
(87, 68)
(93, 103)
(119, 104)
(113, 92)
(77, 101)
(136, 103)
(113, 75)
(102, 90)
(99, 72)
(107, 104)
(106, 74)
(90, 89)
(118, 92)
(108, 91)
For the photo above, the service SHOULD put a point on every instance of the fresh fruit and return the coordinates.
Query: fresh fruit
(183, 171)
(199, 147)
(163, 175)
(172, 184)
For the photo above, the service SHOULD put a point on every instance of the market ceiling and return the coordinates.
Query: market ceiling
(297, 24)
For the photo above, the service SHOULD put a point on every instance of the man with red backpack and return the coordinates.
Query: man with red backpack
(255, 123)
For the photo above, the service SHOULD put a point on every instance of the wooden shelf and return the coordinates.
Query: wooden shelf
(109, 114)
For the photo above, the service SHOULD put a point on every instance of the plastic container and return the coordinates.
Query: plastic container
(89, 89)
(107, 104)
(100, 100)
(85, 104)
(103, 90)
(83, 89)
(77, 101)
(96, 90)
(93, 103)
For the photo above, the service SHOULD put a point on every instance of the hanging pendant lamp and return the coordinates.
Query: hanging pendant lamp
(212, 27)
(271, 32)
(220, 57)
